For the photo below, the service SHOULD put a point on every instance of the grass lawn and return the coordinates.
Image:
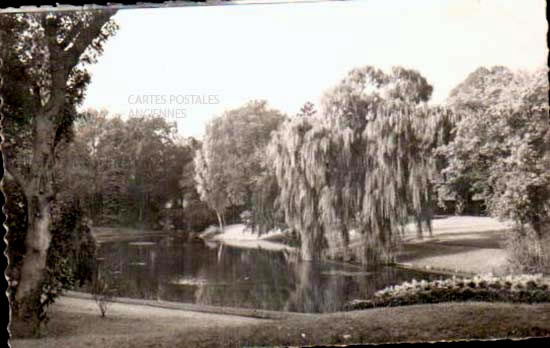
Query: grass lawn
(76, 323)
(459, 244)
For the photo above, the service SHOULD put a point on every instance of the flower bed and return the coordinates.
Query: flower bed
(522, 288)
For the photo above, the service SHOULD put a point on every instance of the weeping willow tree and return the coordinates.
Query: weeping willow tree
(356, 170)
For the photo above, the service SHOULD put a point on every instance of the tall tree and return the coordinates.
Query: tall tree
(155, 166)
(485, 87)
(481, 90)
(196, 214)
(505, 140)
(131, 168)
(45, 57)
(360, 165)
(78, 169)
(231, 155)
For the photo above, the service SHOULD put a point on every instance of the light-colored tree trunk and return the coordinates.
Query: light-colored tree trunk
(220, 221)
(39, 194)
(37, 243)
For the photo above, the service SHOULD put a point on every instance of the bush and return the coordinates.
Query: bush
(68, 262)
(527, 253)
(524, 288)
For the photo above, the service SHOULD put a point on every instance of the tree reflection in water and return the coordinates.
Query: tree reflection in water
(250, 278)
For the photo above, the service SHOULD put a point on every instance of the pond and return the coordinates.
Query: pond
(164, 269)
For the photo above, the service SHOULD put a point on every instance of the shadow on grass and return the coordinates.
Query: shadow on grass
(486, 239)
(411, 252)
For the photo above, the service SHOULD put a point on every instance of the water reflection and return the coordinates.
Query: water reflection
(226, 276)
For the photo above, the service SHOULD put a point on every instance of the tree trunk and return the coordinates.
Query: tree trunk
(418, 219)
(424, 217)
(39, 194)
(538, 227)
(312, 244)
(37, 243)
(220, 222)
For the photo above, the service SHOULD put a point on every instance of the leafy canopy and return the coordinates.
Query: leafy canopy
(358, 166)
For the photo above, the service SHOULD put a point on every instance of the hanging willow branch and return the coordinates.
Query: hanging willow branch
(363, 165)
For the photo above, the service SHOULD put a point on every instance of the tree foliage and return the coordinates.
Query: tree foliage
(196, 214)
(229, 162)
(502, 143)
(361, 164)
(484, 88)
(45, 57)
(125, 172)
(482, 91)
(70, 258)
(501, 150)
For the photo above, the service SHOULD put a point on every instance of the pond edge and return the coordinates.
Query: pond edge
(242, 312)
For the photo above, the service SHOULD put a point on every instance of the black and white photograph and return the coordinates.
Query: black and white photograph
(276, 173)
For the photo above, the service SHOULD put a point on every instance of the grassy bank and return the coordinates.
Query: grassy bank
(76, 323)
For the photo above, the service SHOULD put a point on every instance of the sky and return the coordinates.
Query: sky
(190, 64)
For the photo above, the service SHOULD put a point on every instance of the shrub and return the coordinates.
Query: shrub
(523, 288)
(67, 264)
